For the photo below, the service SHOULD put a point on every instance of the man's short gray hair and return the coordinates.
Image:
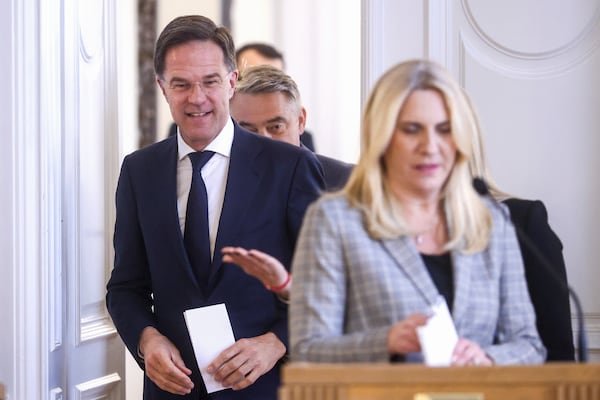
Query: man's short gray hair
(262, 79)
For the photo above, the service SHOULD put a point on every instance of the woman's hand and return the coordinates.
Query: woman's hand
(467, 352)
(402, 337)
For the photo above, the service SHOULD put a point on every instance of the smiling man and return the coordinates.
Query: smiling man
(173, 215)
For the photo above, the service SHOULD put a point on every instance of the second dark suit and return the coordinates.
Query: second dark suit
(335, 172)
(550, 299)
(269, 186)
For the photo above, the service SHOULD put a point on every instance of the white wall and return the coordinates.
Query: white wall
(321, 41)
(252, 21)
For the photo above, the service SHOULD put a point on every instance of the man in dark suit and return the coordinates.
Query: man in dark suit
(257, 192)
(267, 102)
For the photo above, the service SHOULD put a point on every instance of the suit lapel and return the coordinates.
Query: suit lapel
(408, 259)
(242, 177)
(164, 177)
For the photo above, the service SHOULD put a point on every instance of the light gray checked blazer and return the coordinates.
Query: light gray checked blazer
(349, 289)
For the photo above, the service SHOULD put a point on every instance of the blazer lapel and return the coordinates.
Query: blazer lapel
(462, 265)
(406, 256)
(403, 251)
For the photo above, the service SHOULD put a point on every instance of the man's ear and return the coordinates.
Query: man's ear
(302, 120)
(162, 88)
(233, 78)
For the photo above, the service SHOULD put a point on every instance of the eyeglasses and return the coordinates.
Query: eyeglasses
(207, 85)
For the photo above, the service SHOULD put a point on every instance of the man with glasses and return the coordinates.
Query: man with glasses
(252, 192)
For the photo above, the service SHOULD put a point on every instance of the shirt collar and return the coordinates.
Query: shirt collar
(221, 144)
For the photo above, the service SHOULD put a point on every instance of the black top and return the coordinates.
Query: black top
(440, 270)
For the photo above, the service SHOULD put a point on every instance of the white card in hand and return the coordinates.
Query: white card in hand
(438, 336)
(211, 333)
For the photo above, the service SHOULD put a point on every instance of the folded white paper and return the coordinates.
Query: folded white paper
(438, 336)
(211, 333)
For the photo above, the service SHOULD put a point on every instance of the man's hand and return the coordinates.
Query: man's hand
(164, 365)
(240, 365)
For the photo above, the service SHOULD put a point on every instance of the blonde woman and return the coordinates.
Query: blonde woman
(407, 228)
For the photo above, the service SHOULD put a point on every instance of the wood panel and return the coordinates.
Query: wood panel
(558, 381)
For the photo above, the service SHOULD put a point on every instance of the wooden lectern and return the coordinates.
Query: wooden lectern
(554, 381)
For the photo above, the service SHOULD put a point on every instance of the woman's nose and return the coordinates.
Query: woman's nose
(429, 140)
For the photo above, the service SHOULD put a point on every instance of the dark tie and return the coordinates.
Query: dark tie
(196, 236)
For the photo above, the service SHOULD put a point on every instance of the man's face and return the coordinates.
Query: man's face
(272, 115)
(197, 86)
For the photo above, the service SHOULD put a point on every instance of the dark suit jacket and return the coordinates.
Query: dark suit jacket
(335, 172)
(550, 298)
(307, 139)
(269, 186)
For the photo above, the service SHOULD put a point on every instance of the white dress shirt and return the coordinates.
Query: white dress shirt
(214, 174)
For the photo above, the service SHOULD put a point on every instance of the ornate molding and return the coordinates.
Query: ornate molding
(529, 64)
(99, 388)
(51, 180)
(372, 43)
(95, 326)
(29, 333)
(577, 40)
(56, 394)
(436, 30)
(592, 329)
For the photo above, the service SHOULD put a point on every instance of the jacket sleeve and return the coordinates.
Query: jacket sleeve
(128, 297)
(517, 340)
(306, 186)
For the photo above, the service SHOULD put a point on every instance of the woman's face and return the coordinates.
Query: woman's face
(422, 151)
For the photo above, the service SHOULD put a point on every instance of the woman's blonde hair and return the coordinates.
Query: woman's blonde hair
(469, 221)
